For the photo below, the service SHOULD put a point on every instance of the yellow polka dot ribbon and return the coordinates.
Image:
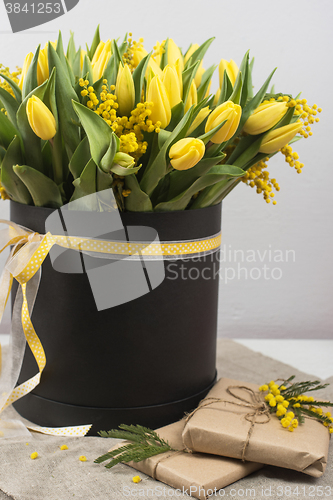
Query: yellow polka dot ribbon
(28, 252)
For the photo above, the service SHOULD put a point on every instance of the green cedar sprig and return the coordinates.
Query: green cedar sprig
(144, 443)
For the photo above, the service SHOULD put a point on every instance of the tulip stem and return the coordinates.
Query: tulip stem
(169, 169)
(51, 142)
(209, 144)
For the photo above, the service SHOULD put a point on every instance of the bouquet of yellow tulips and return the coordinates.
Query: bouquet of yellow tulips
(144, 124)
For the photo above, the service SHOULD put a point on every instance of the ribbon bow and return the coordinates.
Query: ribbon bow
(29, 250)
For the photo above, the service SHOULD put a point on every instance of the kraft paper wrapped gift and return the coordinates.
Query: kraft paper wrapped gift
(196, 474)
(241, 427)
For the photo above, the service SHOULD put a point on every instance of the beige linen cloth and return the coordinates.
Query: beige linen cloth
(59, 475)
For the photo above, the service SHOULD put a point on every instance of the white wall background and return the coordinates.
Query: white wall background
(296, 36)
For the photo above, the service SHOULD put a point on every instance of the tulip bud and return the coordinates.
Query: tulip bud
(179, 72)
(153, 66)
(203, 113)
(125, 90)
(26, 65)
(231, 68)
(192, 97)
(171, 82)
(138, 54)
(41, 119)
(98, 52)
(190, 51)
(161, 111)
(42, 66)
(174, 54)
(265, 117)
(100, 65)
(279, 138)
(124, 160)
(82, 54)
(228, 111)
(186, 153)
(198, 75)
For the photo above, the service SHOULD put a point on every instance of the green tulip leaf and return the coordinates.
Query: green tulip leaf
(31, 143)
(76, 65)
(213, 195)
(162, 137)
(226, 89)
(180, 180)
(103, 180)
(177, 113)
(156, 169)
(87, 69)
(208, 135)
(138, 200)
(7, 130)
(15, 188)
(215, 174)
(30, 80)
(86, 183)
(60, 51)
(106, 163)
(80, 158)
(65, 94)
(205, 81)
(254, 103)
(71, 50)
(15, 88)
(94, 44)
(237, 92)
(188, 75)
(98, 131)
(139, 77)
(199, 54)
(11, 105)
(44, 192)
(2, 154)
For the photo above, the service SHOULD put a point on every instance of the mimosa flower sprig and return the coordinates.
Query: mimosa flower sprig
(291, 405)
(145, 124)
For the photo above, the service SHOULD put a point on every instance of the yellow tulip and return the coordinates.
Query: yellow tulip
(174, 54)
(265, 117)
(203, 113)
(231, 68)
(82, 54)
(138, 54)
(41, 119)
(100, 65)
(186, 153)
(161, 111)
(154, 67)
(125, 90)
(190, 51)
(279, 138)
(192, 97)
(98, 52)
(198, 75)
(42, 66)
(179, 72)
(26, 65)
(228, 111)
(171, 82)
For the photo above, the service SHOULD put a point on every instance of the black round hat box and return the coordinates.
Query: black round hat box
(145, 362)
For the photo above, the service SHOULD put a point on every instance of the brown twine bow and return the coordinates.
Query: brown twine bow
(258, 406)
